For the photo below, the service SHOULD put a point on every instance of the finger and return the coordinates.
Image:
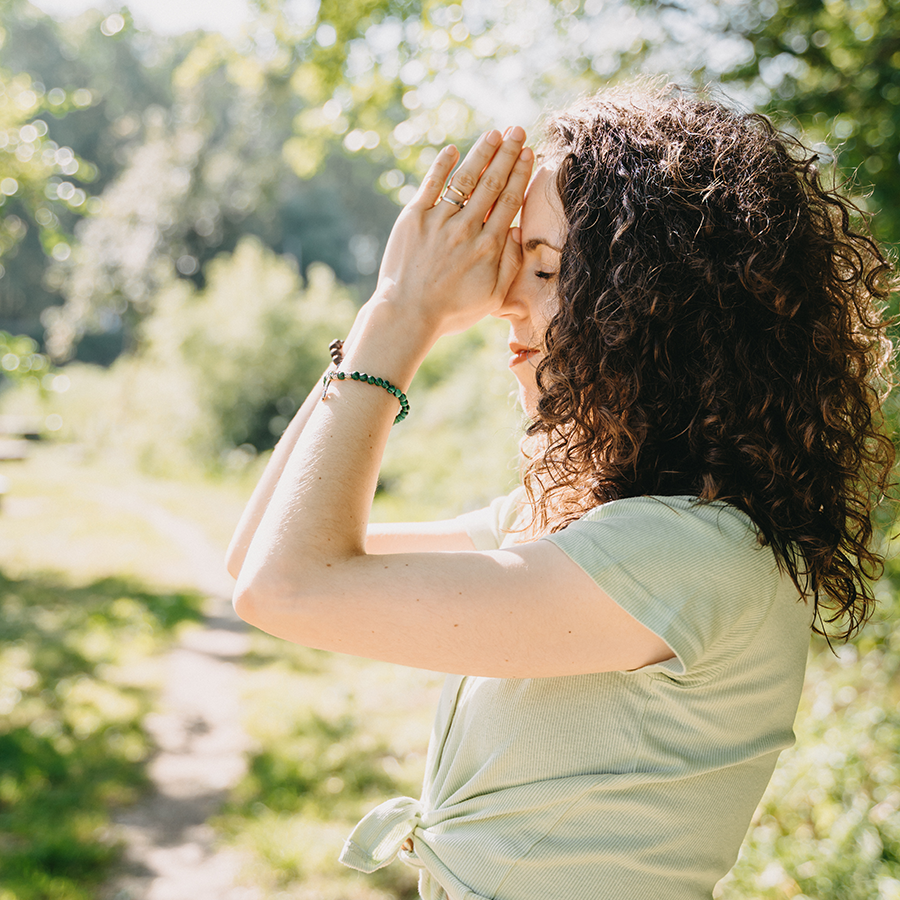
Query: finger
(429, 191)
(511, 197)
(496, 175)
(466, 176)
(510, 262)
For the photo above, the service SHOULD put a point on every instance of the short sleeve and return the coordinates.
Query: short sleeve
(693, 573)
(489, 526)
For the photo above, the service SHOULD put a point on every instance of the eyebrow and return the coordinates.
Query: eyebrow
(534, 243)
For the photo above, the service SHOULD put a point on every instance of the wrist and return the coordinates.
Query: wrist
(389, 340)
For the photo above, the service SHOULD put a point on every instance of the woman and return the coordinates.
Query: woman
(695, 328)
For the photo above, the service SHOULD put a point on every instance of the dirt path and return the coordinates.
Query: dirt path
(171, 852)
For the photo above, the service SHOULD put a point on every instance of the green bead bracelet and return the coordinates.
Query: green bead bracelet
(371, 379)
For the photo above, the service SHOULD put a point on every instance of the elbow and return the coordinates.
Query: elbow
(257, 599)
(246, 603)
(294, 602)
(275, 605)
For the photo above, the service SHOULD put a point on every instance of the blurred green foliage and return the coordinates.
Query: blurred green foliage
(829, 825)
(217, 372)
(247, 347)
(21, 361)
(223, 174)
(834, 66)
(457, 450)
(72, 744)
(828, 70)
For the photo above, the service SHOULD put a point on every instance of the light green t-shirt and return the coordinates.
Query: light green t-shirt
(635, 785)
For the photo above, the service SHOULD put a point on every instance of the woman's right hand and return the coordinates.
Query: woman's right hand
(449, 266)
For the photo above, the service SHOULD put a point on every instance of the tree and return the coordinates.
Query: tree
(834, 65)
(826, 69)
(213, 154)
(35, 193)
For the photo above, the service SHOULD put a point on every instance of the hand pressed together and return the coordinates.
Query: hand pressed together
(449, 266)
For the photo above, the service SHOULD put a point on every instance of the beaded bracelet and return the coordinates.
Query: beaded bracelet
(371, 379)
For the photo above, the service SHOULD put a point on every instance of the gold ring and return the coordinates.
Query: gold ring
(464, 197)
(451, 200)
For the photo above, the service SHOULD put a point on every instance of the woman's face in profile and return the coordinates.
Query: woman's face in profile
(532, 298)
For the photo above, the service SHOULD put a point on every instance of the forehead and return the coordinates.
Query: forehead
(542, 213)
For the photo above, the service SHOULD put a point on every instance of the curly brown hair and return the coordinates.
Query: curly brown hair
(720, 334)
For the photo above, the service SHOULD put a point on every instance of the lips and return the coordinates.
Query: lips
(520, 354)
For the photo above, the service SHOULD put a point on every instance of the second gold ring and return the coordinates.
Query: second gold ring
(463, 197)
(451, 200)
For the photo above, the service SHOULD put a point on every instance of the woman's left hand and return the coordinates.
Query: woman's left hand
(452, 254)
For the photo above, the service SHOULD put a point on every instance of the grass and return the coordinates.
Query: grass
(90, 593)
(335, 737)
(87, 516)
(71, 741)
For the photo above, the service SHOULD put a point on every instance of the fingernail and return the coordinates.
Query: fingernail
(493, 137)
(527, 154)
(518, 133)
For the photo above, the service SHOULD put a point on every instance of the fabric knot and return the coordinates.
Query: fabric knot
(379, 836)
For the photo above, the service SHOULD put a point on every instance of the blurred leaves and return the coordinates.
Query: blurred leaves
(34, 168)
(829, 825)
(217, 372)
(827, 69)
(21, 362)
(322, 761)
(835, 66)
(250, 345)
(457, 449)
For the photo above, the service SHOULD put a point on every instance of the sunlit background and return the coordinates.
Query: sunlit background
(194, 198)
(166, 17)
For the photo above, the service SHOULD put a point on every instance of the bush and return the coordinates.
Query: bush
(214, 370)
(829, 825)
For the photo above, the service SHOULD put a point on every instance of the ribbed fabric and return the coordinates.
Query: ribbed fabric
(621, 785)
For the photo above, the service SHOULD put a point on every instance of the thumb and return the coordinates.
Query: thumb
(510, 261)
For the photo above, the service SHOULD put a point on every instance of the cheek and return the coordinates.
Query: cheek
(546, 310)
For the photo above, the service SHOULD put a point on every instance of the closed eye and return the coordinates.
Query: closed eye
(546, 276)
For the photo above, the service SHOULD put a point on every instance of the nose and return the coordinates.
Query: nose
(514, 305)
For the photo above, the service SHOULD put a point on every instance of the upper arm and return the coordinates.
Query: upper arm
(418, 537)
(526, 611)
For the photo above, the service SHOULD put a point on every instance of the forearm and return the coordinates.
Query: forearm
(443, 270)
(313, 506)
(262, 493)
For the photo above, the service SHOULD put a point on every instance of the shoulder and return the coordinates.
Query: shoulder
(693, 572)
(683, 532)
